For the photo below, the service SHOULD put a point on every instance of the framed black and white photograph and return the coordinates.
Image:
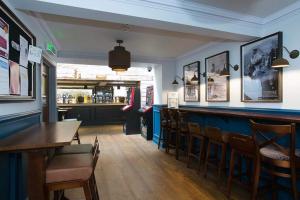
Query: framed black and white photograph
(191, 74)
(217, 87)
(261, 82)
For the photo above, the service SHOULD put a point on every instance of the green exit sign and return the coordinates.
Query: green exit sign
(51, 48)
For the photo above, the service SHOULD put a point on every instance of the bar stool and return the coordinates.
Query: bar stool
(73, 171)
(282, 161)
(243, 146)
(76, 137)
(77, 148)
(172, 130)
(164, 120)
(218, 140)
(182, 133)
(195, 133)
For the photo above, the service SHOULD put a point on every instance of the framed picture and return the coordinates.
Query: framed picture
(192, 87)
(217, 87)
(261, 82)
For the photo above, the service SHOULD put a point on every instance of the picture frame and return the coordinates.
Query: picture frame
(259, 81)
(18, 33)
(191, 88)
(217, 87)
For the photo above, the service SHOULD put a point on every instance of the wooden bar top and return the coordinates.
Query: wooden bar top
(245, 114)
(41, 136)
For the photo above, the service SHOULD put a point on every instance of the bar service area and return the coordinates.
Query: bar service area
(125, 100)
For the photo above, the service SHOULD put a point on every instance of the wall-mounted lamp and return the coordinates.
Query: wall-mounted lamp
(225, 71)
(282, 62)
(175, 81)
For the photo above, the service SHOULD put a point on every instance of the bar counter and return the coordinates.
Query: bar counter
(94, 113)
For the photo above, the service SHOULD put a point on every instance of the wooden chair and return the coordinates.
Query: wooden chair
(164, 120)
(244, 147)
(73, 171)
(271, 152)
(218, 140)
(77, 148)
(171, 135)
(195, 133)
(182, 135)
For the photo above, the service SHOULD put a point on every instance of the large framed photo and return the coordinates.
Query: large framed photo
(217, 87)
(261, 82)
(191, 88)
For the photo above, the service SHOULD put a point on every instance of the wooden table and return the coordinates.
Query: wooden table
(35, 141)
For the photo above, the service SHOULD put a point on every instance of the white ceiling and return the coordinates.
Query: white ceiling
(259, 8)
(75, 36)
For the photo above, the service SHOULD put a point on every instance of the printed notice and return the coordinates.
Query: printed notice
(4, 38)
(23, 51)
(14, 83)
(24, 80)
(35, 54)
(4, 76)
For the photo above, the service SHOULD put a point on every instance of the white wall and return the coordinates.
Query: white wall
(41, 37)
(289, 25)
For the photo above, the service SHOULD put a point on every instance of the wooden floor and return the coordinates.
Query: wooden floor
(132, 168)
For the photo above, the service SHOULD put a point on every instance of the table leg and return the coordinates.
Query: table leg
(36, 175)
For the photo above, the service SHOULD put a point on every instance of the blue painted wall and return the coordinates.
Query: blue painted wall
(13, 165)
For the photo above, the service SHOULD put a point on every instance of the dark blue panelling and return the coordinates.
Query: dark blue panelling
(12, 164)
(156, 123)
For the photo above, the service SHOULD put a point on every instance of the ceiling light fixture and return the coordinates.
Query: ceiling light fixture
(282, 62)
(225, 71)
(119, 58)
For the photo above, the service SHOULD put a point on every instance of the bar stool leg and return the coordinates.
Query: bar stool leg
(294, 180)
(231, 171)
(256, 178)
(222, 161)
(167, 141)
(177, 144)
(189, 151)
(206, 159)
(200, 153)
(160, 134)
(87, 190)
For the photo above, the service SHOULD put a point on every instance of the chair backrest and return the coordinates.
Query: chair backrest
(95, 152)
(214, 133)
(271, 134)
(242, 143)
(173, 114)
(194, 128)
(164, 115)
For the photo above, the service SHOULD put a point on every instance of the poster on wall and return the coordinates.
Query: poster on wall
(217, 87)
(4, 38)
(24, 80)
(261, 82)
(23, 51)
(173, 101)
(191, 86)
(4, 76)
(14, 78)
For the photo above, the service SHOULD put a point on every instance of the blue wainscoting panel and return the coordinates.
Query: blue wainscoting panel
(12, 167)
(156, 123)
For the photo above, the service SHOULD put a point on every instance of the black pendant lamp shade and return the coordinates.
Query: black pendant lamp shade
(119, 58)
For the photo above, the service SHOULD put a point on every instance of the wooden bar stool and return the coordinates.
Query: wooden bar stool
(164, 121)
(182, 135)
(243, 146)
(195, 133)
(281, 160)
(73, 171)
(218, 140)
(172, 130)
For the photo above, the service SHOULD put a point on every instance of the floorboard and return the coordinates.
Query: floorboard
(131, 168)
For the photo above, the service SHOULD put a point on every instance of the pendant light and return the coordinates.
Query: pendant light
(119, 58)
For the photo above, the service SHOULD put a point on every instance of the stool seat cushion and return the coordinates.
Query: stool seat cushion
(69, 167)
(273, 153)
(75, 149)
(69, 120)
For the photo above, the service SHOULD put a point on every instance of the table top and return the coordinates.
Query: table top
(245, 114)
(41, 136)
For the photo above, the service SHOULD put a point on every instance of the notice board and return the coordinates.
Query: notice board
(17, 74)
